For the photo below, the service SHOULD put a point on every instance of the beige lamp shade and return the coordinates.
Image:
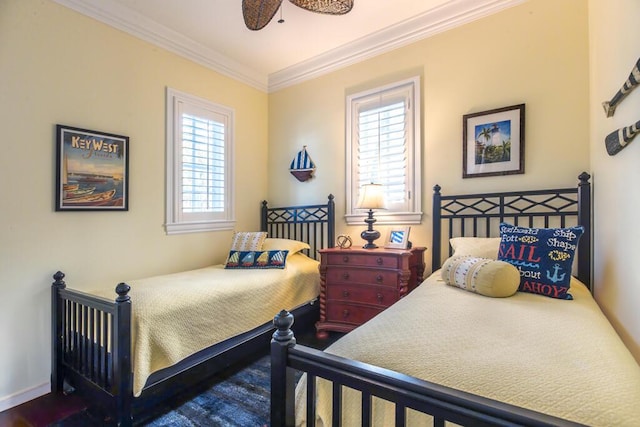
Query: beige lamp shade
(371, 197)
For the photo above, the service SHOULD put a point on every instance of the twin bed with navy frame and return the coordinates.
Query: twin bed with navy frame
(92, 335)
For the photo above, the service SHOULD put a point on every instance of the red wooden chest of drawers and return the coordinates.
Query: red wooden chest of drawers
(356, 284)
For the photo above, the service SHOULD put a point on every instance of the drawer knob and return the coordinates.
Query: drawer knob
(380, 297)
(345, 294)
(379, 278)
(345, 313)
(345, 276)
(379, 261)
(345, 258)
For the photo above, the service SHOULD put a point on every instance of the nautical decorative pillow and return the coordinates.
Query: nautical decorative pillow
(248, 240)
(256, 259)
(293, 246)
(542, 255)
(481, 247)
(481, 275)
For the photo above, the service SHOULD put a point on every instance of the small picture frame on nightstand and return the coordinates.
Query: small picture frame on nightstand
(397, 238)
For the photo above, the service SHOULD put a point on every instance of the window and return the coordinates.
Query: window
(383, 147)
(199, 158)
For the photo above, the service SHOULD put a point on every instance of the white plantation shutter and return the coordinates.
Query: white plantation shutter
(382, 151)
(384, 148)
(203, 166)
(199, 158)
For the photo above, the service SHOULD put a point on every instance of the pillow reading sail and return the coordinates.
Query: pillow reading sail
(543, 257)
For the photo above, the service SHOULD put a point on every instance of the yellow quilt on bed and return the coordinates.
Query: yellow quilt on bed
(558, 357)
(176, 315)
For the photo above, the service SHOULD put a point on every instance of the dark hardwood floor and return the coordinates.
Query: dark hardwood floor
(42, 411)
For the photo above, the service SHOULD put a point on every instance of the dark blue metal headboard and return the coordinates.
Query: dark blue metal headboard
(314, 224)
(478, 215)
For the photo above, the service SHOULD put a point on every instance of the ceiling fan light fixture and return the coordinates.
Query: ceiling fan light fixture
(258, 13)
(330, 7)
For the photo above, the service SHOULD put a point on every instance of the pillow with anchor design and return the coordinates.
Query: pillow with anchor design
(543, 256)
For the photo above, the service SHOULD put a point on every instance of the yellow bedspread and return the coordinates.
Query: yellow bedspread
(558, 357)
(176, 315)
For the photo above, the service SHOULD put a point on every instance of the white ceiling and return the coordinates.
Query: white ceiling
(307, 44)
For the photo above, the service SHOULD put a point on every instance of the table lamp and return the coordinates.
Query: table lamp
(371, 197)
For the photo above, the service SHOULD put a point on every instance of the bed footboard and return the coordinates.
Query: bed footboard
(91, 347)
(443, 403)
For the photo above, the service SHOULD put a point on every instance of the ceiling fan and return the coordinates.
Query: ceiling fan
(258, 13)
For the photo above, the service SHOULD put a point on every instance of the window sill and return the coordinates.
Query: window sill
(197, 227)
(395, 218)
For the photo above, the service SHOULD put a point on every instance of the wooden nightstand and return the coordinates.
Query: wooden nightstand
(356, 284)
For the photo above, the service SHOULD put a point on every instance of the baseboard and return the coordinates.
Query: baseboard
(24, 396)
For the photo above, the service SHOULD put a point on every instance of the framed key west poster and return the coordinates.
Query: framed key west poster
(92, 170)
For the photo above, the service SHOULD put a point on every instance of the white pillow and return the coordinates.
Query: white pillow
(276, 244)
(480, 247)
(248, 240)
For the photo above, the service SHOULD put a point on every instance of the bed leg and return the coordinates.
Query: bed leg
(282, 378)
(57, 374)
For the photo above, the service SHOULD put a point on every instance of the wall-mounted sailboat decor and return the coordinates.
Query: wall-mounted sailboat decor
(302, 167)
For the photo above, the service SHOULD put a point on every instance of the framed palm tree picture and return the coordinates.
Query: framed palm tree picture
(92, 170)
(493, 142)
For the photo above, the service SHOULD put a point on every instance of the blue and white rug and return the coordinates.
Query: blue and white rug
(241, 398)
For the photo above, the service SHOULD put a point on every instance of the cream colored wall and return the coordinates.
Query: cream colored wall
(57, 66)
(615, 48)
(535, 53)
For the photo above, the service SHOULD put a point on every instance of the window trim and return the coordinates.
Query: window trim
(174, 223)
(414, 216)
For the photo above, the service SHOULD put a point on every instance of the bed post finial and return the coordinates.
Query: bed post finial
(283, 322)
(59, 282)
(282, 378)
(436, 189)
(584, 178)
(122, 290)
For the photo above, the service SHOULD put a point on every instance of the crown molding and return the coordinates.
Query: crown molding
(450, 15)
(132, 22)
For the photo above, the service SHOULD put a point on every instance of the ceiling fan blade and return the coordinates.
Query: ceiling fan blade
(258, 13)
(330, 7)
